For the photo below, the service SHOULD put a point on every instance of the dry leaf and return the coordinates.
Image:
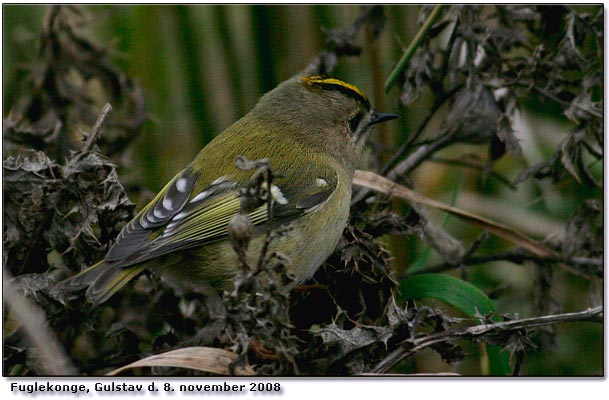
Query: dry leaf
(208, 359)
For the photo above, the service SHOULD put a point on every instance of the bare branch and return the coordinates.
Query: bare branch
(414, 345)
(97, 128)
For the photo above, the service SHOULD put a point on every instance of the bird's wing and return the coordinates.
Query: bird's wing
(178, 218)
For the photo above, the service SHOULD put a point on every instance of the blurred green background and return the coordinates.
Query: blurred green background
(202, 67)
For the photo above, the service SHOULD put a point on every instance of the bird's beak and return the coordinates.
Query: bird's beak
(378, 117)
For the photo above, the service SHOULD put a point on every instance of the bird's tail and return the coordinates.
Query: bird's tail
(101, 279)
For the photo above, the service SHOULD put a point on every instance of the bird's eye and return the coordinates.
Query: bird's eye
(354, 122)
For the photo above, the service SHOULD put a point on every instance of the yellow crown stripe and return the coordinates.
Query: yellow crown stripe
(320, 80)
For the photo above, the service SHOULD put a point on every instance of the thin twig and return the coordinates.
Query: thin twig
(414, 345)
(473, 165)
(53, 360)
(417, 157)
(408, 144)
(414, 45)
(517, 256)
(97, 128)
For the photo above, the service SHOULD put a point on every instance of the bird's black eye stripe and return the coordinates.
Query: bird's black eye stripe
(354, 122)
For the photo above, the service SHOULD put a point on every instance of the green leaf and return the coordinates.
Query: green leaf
(462, 295)
(499, 360)
(456, 292)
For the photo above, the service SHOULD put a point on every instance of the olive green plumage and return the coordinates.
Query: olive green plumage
(312, 130)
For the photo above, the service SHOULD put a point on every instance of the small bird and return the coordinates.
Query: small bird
(312, 129)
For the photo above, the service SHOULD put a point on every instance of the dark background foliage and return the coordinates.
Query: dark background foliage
(502, 115)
